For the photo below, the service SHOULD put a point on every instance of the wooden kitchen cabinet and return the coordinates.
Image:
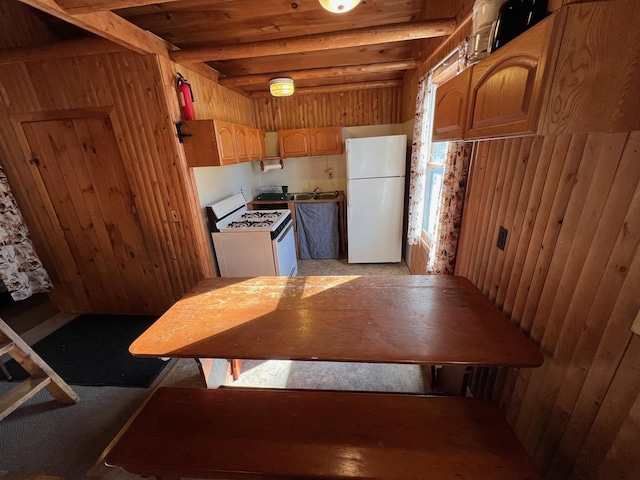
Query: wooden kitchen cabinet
(242, 143)
(253, 144)
(450, 113)
(294, 143)
(208, 143)
(326, 141)
(597, 77)
(262, 144)
(226, 138)
(303, 142)
(213, 143)
(509, 89)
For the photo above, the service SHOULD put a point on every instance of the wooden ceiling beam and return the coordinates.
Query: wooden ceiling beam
(75, 7)
(68, 49)
(330, 72)
(323, 41)
(110, 26)
(336, 88)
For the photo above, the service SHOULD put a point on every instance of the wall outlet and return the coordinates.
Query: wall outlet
(502, 238)
(635, 327)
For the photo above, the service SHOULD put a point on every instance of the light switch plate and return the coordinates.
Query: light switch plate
(635, 328)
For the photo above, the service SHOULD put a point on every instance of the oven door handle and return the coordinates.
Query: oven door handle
(284, 233)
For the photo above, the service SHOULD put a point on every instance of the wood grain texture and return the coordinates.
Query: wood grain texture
(361, 107)
(212, 101)
(358, 37)
(598, 60)
(129, 86)
(403, 319)
(570, 266)
(323, 435)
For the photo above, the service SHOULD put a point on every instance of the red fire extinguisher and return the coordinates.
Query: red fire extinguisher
(186, 98)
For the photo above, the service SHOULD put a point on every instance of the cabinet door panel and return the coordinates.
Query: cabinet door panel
(326, 141)
(242, 144)
(451, 108)
(503, 97)
(253, 142)
(294, 143)
(226, 138)
(508, 90)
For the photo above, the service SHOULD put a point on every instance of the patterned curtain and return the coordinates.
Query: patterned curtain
(20, 268)
(442, 257)
(419, 152)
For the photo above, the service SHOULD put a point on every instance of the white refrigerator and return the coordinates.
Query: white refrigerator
(375, 198)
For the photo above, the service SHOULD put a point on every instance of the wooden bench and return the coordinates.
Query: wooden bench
(235, 433)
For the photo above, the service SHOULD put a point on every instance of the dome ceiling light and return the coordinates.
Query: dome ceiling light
(281, 87)
(339, 6)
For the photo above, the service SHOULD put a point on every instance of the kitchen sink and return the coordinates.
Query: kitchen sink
(325, 196)
(302, 196)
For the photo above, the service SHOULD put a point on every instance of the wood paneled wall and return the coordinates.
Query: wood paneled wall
(130, 86)
(19, 27)
(212, 101)
(350, 108)
(570, 278)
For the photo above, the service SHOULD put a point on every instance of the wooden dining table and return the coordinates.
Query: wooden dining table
(260, 433)
(425, 320)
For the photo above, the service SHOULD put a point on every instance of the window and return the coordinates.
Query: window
(433, 187)
(437, 152)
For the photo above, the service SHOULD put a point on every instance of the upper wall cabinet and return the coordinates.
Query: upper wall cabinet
(326, 141)
(508, 89)
(572, 73)
(302, 142)
(242, 143)
(226, 143)
(294, 143)
(214, 143)
(451, 108)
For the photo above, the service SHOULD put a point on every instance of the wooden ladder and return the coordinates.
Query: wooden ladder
(42, 375)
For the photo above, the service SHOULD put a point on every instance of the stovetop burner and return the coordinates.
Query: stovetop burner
(260, 215)
(249, 224)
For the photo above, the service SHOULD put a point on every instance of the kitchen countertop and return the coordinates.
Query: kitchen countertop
(340, 198)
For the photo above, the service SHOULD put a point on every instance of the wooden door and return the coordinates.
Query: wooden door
(326, 141)
(262, 140)
(509, 87)
(226, 140)
(450, 111)
(242, 144)
(253, 142)
(87, 194)
(294, 143)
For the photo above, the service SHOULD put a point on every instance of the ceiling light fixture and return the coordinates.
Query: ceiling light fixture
(339, 6)
(281, 87)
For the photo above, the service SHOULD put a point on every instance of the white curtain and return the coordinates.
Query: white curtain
(419, 154)
(20, 268)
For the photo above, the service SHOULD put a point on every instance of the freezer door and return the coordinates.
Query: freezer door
(374, 220)
(376, 157)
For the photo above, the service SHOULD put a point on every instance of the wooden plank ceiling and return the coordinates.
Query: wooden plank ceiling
(248, 42)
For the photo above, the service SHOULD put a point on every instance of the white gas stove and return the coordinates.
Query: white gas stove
(250, 243)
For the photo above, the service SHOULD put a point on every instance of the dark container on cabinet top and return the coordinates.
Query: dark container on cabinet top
(514, 17)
